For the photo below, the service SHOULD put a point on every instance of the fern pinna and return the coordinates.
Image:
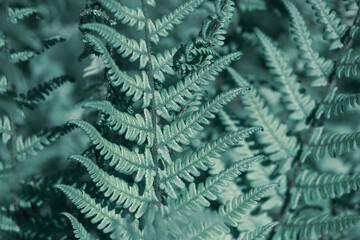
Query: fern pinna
(156, 181)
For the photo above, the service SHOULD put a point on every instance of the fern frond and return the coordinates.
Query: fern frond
(334, 29)
(187, 167)
(279, 146)
(224, 14)
(138, 87)
(7, 224)
(79, 230)
(233, 211)
(136, 128)
(334, 105)
(180, 132)
(51, 41)
(122, 159)
(5, 128)
(334, 144)
(314, 227)
(313, 186)
(299, 104)
(118, 190)
(161, 27)
(37, 94)
(106, 220)
(34, 143)
(16, 14)
(195, 198)
(126, 15)
(316, 66)
(125, 46)
(349, 65)
(259, 233)
(23, 56)
(162, 63)
(27, 55)
(175, 96)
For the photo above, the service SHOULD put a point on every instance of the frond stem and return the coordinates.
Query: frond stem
(150, 73)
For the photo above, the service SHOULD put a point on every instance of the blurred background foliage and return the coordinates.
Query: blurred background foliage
(26, 193)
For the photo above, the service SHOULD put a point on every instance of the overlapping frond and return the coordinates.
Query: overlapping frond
(336, 104)
(136, 128)
(314, 227)
(316, 66)
(121, 158)
(181, 131)
(124, 45)
(118, 190)
(161, 27)
(279, 146)
(334, 29)
(175, 96)
(79, 230)
(195, 198)
(137, 87)
(312, 186)
(107, 220)
(188, 167)
(258, 233)
(233, 211)
(349, 65)
(299, 104)
(333, 144)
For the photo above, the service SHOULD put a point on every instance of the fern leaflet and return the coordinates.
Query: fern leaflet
(107, 221)
(79, 230)
(336, 104)
(188, 166)
(122, 159)
(334, 29)
(313, 186)
(299, 104)
(316, 66)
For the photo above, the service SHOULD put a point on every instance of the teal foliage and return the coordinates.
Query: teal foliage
(222, 119)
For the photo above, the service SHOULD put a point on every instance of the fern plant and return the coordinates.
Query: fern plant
(153, 175)
(297, 139)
